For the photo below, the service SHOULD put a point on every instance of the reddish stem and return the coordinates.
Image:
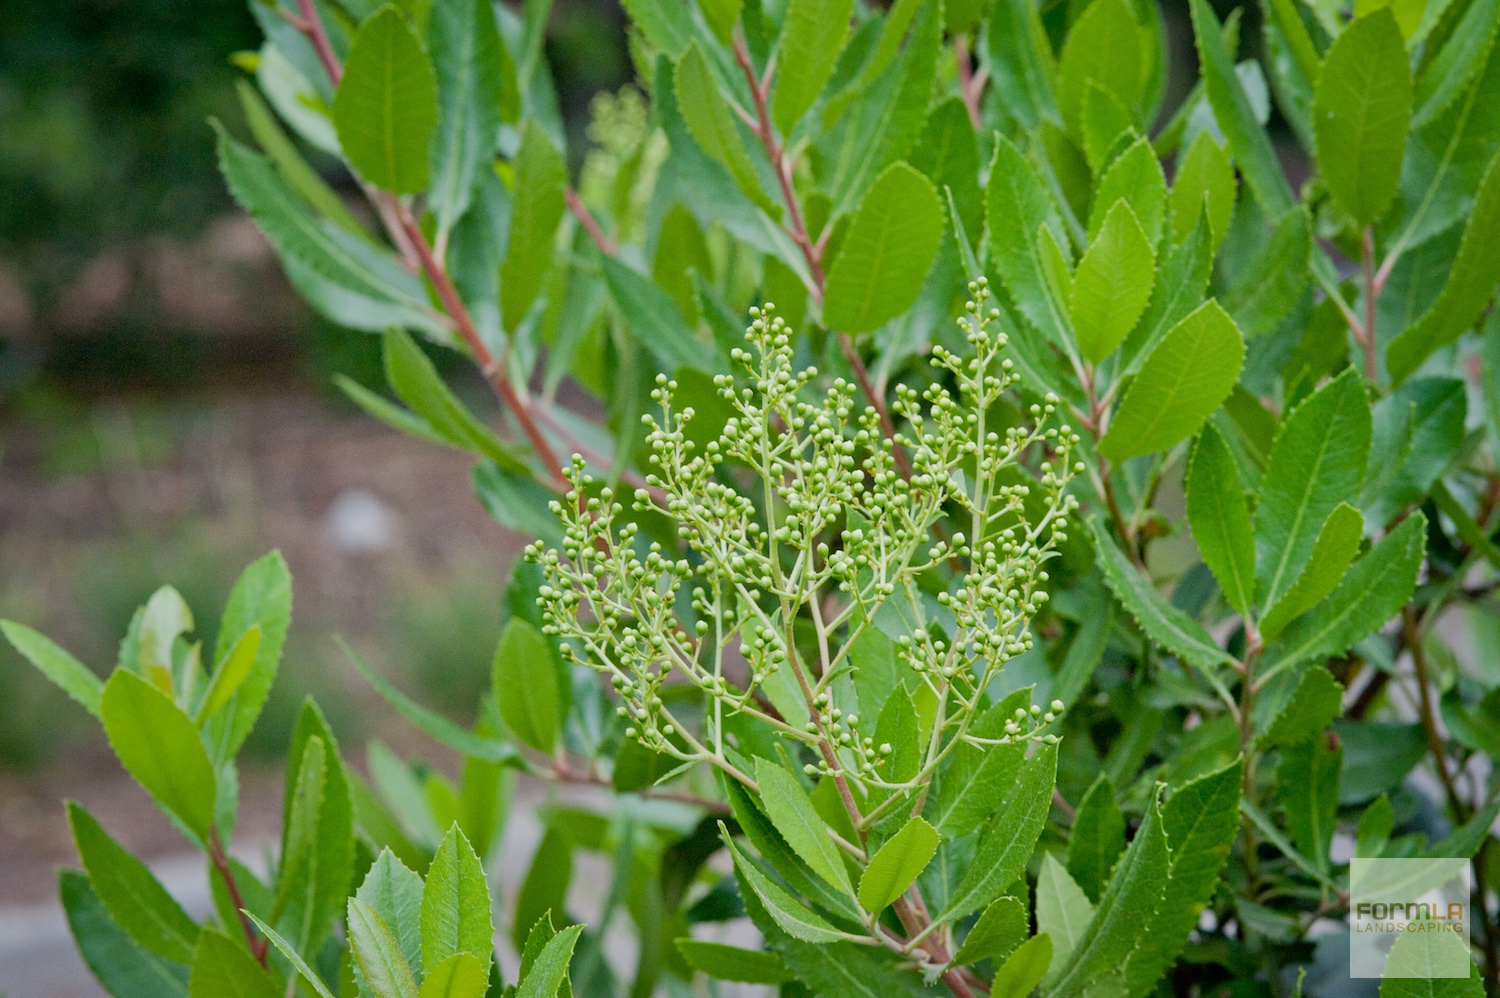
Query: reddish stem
(312, 26)
(590, 224)
(969, 85)
(220, 860)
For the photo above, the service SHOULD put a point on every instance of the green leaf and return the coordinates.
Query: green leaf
(1133, 896)
(1135, 176)
(896, 865)
(456, 904)
(1471, 284)
(1371, 593)
(1098, 838)
(466, 52)
(549, 972)
(1361, 111)
(118, 962)
(1017, 205)
(1000, 929)
(293, 957)
(1416, 963)
(812, 36)
(415, 379)
(317, 845)
(1021, 63)
(230, 675)
(378, 954)
(731, 963)
(127, 889)
(791, 811)
(1201, 819)
(526, 685)
(886, 253)
(1336, 546)
(1204, 181)
(1163, 623)
(1268, 286)
(545, 888)
(51, 660)
(222, 968)
(1220, 518)
(471, 745)
(794, 917)
(394, 893)
(1317, 461)
(459, 976)
(1461, 56)
(159, 745)
(1112, 284)
(1179, 288)
(978, 780)
(1024, 969)
(1063, 910)
(1308, 782)
(1313, 704)
(1235, 116)
(386, 106)
(345, 277)
(1181, 382)
(295, 170)
(712, 125)
(1006, 845)
(721, 15)
(540, 198)
(261, 597)
(656, 321)
(761, 834)
(1102, 49)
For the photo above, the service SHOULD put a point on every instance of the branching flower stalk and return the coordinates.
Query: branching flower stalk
(798, 535)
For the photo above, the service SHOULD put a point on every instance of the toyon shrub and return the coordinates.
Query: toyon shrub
(1062, 578)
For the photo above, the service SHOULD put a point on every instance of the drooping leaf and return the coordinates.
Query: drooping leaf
(1361, 111)
(712, 124)
(295, 170)
(1318, 460)
(526, 685)
(1471, 284)
(893, 868)
(386, 106)
(1112, 284)
(812, 36)
(794, 917)
(1180, 384)
(122, 966)
(159, 745)
(791, 811)
(1163, 623)
(886, 254)
(1220, 518)
(732, 963)
(53, 661)
(130, 893)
